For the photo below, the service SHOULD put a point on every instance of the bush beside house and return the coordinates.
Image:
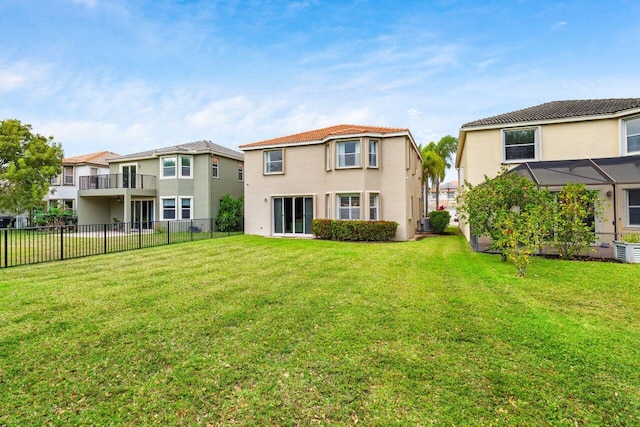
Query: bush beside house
(356, 231)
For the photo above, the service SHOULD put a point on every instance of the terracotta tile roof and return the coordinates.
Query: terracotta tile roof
(560, 110)
(320, 134)
(195, 147)
(99, 158)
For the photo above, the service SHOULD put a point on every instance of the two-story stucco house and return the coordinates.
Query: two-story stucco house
(64, 187)
(345, 172)
(595, 142)
(180, 182)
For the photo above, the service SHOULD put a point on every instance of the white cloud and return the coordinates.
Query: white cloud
(20, 75)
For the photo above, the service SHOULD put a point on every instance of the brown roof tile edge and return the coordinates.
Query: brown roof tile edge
(320, 134)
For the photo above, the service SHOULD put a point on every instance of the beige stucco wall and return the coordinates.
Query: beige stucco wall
(305, 174)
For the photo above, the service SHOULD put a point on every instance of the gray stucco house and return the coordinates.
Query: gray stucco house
(180, 182)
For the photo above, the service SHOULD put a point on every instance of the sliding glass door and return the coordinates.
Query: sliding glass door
(292, 215)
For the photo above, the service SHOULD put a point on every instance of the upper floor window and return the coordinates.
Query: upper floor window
(215, 173)
(633, 204)
(373, 153)
(168, 165)
(349, 206)
(348, 154)
(56, 180)
(273, 161)
(327, 157)
(185, 166)
(240, 172)
(520, 144)
(632, 135)
(67, 174)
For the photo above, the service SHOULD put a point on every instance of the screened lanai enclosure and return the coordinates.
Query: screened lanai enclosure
(616, 178)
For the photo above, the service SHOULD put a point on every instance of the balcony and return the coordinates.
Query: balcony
(118, 180)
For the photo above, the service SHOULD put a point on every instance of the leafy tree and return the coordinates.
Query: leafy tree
(512, 211)
(27, 163)
(230, 213)
(574, 216)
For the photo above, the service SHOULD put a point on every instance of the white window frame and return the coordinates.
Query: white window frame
(65, 175)
(351, 208)
(625, 136)
(327, 157)
(376, 153)
(181, 209)
(536, 144)
(175, 167)
(180, 166)
(327, 207)
(269, 164)
(341, 157)
(630, 206)
(375, 206)
(162, 208)
(215, 167)
(56, 180)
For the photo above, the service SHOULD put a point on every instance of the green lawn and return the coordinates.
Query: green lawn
(252, 331)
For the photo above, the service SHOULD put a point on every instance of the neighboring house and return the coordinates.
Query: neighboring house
(448, 195)
(64, 187)
(179, 182)
(595, 142)
(341, 172)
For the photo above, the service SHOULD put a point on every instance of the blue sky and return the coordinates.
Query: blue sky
(128, 76)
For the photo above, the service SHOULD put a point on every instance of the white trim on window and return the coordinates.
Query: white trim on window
(185, 208)
(167, 170)
(327, 156)
(274, 162)
(348, 154)
(186, 171)
(373, 153)
(349, 206)
(215, 167)
(68, 173)
(240, 172)
(373, 206)
(166, 207)
(630, 130)
(520, 151)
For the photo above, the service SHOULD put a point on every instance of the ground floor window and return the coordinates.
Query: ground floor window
(374, 207)
(292, 215)
(633, 203)
(349, 206)
(185, 207)
(168, 208)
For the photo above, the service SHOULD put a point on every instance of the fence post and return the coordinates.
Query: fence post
(61, 243)
(191, 230)
(6, 246)
(140, 235)
(105, 237)
(168, 232)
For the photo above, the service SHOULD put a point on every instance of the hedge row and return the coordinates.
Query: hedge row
(356, 231)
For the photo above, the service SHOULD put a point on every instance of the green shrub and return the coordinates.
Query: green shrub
(631, 238)
(355, 231)
(439, 220)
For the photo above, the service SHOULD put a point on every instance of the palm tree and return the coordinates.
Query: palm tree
(445, 148)
(433, 166)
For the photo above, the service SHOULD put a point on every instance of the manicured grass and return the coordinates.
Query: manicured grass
(253, 331)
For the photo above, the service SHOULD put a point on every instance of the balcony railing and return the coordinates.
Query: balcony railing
(118, 180)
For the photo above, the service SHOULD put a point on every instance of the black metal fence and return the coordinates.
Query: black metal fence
(54, 243)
